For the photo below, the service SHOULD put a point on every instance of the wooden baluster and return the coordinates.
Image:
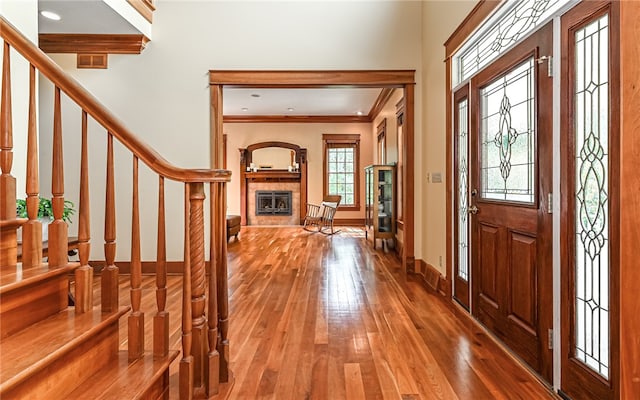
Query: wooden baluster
(109, 288)
(161, 319)
(84, 274)
(223, 290)
(198, 280)
(32, 230)
(186, 363)
(136, 318)
(8, 239)
(58, 229)
(213, 363)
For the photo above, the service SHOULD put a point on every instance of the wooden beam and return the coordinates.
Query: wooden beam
(312, 79)
(92, 43)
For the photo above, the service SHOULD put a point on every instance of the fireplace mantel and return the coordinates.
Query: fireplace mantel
(273, 175)
(277, 175)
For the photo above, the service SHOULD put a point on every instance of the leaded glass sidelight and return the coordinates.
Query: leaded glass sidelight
(591, 206)
(507, 134)
(463, 188)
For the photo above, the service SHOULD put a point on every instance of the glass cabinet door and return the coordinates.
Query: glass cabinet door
(369, 197)
(385, 200)
(380, 203)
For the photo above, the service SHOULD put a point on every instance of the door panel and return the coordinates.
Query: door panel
(488, 246)
(511, 232)
(523, 278)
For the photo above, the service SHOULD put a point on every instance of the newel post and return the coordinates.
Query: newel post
(194, 300)
(198, 281)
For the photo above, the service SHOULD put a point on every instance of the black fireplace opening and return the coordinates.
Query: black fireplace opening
(273, 203)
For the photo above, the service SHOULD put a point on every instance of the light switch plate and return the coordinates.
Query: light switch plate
(436, 177)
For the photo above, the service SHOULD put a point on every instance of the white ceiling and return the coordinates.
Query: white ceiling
(82, 16)
(324, 101)
(96, 16)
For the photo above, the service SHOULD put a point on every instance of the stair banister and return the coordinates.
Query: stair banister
(103, 116)
(205, 356)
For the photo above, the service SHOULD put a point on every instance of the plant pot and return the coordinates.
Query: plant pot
(45, 221)
(45, 227)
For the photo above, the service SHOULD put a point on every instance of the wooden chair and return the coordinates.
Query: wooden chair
(322, 215)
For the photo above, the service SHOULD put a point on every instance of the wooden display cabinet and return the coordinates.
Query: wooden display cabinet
(380, 207)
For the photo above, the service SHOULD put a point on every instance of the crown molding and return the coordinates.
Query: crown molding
(336, 119)
(381, 101)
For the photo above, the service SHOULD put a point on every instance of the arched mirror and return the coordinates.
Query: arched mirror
(273, 158)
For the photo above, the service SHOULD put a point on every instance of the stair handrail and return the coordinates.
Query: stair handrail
(99, 112)
(205, 344)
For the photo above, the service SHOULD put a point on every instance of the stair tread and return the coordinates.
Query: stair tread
(123, 380)
(19, 277)
(33, 348)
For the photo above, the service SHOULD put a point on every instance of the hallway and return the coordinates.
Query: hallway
(329, 318)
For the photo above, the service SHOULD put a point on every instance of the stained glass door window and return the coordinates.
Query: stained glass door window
(592, 267)
(463, 188)
(514, 21)
(508, 136)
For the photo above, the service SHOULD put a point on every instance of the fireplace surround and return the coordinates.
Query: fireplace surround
(273, 202)
(273, 180)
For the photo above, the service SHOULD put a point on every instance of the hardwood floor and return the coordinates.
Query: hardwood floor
(318, 317)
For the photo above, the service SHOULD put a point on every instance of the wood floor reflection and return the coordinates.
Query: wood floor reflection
(321, 317)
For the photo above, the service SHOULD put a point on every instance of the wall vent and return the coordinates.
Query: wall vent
(96, 61)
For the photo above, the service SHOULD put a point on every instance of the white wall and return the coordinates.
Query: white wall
(388, 112)
(307, 136)
(163, 94)
(23, 14)
(440, 19)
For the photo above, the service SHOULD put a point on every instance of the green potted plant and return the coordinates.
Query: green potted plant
(45, 213)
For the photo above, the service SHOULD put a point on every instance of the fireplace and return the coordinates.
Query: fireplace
(273, 203)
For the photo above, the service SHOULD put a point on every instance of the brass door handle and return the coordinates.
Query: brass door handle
(473, 210)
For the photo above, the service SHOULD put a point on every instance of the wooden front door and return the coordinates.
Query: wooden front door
(511, 176)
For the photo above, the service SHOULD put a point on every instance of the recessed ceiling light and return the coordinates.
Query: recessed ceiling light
(256, 95)
(289, 109)
(359, 112)
(245, 109)
(50, 15)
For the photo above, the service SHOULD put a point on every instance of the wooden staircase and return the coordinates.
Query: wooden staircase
(49, 350)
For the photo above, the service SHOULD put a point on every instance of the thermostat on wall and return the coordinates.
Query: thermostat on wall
(436, 177)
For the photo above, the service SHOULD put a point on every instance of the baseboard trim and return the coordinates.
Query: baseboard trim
(348, 222)
(431, 277)
(443, 287)
(148, 267)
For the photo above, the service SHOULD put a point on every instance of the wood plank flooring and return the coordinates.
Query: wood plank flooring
(318, 317)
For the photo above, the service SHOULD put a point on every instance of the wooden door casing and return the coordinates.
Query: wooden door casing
(511, 242)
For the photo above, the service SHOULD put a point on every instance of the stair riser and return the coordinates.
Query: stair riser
(30, 304)
(70, 369)
(159, 389)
